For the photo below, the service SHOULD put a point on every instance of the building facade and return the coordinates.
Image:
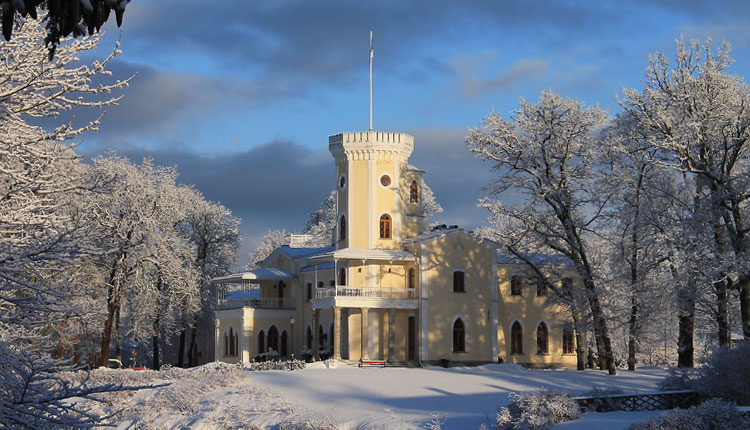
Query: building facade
(387, 290)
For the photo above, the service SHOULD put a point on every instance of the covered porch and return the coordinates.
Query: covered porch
(374, 305)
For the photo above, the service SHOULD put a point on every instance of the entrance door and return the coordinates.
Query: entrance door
(281, 294)
(411, 347)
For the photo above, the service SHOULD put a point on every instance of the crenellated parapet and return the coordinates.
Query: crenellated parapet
(371, 145)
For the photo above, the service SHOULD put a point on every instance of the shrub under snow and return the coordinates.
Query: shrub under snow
(727, 374)
(536, 410)
(711, 415)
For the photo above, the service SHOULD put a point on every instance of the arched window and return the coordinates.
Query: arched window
(385, 226)
(284, 344)
(569, 339)
(261, 342)
(232, 343)
(342, 228)
(458, 282)
(459, 334)
(309, 337)
(321, 337)
(542, 338)
(273, 339)
(414, 192)
(410, 279)
(342, 276)
(516, 338)
(515, 285)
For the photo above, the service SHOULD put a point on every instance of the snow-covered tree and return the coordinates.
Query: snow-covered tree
(42, 234)
(271, 240)
(430, 206)
(546, 155)
(213, 234)
(321, 223)
(64, 17)
(698, 115)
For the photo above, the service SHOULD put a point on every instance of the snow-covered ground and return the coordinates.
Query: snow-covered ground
(391, 398)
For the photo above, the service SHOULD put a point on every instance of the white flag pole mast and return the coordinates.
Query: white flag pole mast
(371, 54)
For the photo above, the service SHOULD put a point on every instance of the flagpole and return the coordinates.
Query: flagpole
(371, 54)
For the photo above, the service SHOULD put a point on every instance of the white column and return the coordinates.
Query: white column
(391, 335)
(365, 343)
(337, 333)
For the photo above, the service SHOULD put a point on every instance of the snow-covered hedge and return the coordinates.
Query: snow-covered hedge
(275, 365)
(710, 415)
(537, 410)
(726, 375)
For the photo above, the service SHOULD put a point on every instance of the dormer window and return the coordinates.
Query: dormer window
(414, 192)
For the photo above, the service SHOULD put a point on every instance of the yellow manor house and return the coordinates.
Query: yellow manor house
(388, 291)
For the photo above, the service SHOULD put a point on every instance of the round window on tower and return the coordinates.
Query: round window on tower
(385, 180)
(342, 182)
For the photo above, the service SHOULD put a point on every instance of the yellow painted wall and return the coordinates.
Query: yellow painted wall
(446, 255)
(530, 310)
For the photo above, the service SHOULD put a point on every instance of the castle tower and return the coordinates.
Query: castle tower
(375, 200)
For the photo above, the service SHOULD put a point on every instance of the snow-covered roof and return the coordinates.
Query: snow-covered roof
(412, 168)
(321, 266)
(366, 254)
(505, 258)
(262, 274)
(303, 252)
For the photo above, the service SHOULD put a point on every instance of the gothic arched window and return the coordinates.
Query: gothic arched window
(516, 338)
(385, 226)
(542, 335)
(459, 334)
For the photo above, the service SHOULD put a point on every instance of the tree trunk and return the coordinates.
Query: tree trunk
(181, 351)
(581, 350)
(687, 327)
(107, 331)
(155, 340)
(191, 349)
(600, 329)
(722, 315)
(118, 336)
(745, 306)
(632, 332)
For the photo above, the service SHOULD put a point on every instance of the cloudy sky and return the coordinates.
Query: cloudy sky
(241, 96)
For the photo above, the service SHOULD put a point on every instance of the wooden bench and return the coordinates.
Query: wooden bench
(371, 363)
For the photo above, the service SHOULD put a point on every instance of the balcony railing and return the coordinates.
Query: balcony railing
(262, 303)
(384, 293)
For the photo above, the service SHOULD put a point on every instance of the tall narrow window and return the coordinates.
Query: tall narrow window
(320, 284)
(515, 285)
(569, 340)
(414, 192)
(284, 344)
(385, 226)
(410, 279)
(342, 228)
(516, 338)
(459, 334)
(309, 291)
(321, 337)
(226, 344)
(458, 282)
(273, 339)
(309, 337)
(541, 287)
(542, 338)
(342, 276)
(232, 352)
(261, 342)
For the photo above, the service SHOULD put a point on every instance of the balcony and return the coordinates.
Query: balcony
(349, 296)
(257, 303)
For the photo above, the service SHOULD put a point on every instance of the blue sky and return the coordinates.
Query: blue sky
(242, 96)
